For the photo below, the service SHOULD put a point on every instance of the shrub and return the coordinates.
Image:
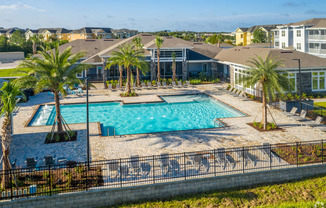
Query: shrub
(153, 82)
(296, 96)
(255, 124)
(289, 96)
(273, 125)
(304, 95)
(228, 87)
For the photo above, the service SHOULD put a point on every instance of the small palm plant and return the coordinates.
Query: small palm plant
(159, 42)
(52, 70)
(129, 57)
(265, 74)
(8, 99)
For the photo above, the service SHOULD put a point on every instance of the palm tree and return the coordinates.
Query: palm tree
(9, 92)
(139, 46)
(53, 70)
(159, 42)
(174, 77)
(129, 57)
(264, 74)
(35, 40)
(215, 39)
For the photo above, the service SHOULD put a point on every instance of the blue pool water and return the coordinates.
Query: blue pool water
(176, 113)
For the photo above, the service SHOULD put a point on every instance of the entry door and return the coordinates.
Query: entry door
(99, 72)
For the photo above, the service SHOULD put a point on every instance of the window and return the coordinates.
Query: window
(283, 45)
(314, 45)
(277, 43)
(298, 33)
(292, 77)
(276, 33)
(283, 33)
(204, 68)
(79, 75)
(241, 36)
(318, 81)
(299, 46)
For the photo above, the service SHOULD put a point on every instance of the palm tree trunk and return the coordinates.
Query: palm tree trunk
(218, 44)
(137, 81)
(158, 66)
(128, 81)
(6, 141)
(58, 112)
(174, 71)
(264, 116)
(120, 78)
(34, 47)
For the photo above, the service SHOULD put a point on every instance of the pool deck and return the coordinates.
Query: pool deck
(29, 141)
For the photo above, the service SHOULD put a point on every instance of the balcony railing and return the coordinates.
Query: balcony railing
(317, 37)
(312, 50)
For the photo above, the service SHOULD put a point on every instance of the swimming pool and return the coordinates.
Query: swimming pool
(176, 113)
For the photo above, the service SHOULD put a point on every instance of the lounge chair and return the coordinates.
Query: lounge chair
(174, 85)
(224, 159)
(268, 153)
(30, 162)
(243, 96)
(48, 160)
(110, 87)
(187, 84)
(165, 85)
(117, 170)
(245, 155)
(136, 167)
(143, 85)
(301, 117)
(150, 85)
(230, 90)
(180, 84)
(159, 85)
(168, 165)
(314, 123)
(197, 161)
(118, 87)
(292, 112)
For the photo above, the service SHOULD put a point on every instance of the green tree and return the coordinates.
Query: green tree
(35, 40)
(128, 57)
(265, 75)
(3, 43)
(159, 42)
(174, 77)
(18, 37)
(215, 39)
(8, 99)
(139, 46)
(259, 36)
(52, 70)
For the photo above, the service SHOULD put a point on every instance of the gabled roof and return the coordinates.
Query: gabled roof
(205, 49)
(85, 30)
(241, 55)
(171, 42)
(315, 23)
(10, 30)
(243, 29)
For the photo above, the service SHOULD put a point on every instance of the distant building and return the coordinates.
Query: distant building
(306, 36)
(48, 33)
(124, 33)
(244, 35)
(9, 31)
(91, 33)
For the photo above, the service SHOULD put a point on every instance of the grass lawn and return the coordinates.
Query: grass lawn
(320, 104)
(11, 72)
(323, 104)
(300, 193)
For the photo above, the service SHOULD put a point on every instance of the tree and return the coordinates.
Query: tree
(52, 70)
(8, 99)
(215, 39)
(18, 37)
(265, 75)
(159, 42)
(139, 46)
(174, 77)
(3, 43)
(35, 40)
(128, 57)
(259, 36)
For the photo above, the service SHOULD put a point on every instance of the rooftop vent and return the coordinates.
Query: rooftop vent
(108, 40)
(198, 43)
(168, 37)
(245, 47)
(90, 40)
(286, 51)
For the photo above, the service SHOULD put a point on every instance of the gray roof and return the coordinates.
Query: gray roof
(52, 30)
(171, 42)
(206, 49)
(241, 55)
(253, 28)
(10, 30)
(92, 30)
(315, 23)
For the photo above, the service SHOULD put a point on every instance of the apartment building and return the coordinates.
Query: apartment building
(307, 36)
(48, 33)
(244, 35)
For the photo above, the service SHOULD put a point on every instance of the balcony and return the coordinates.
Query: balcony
(317, 37)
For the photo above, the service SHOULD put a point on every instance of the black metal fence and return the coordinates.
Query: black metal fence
(78, 176)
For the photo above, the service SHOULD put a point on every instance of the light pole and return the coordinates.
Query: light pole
(87, 122)
(299, 65)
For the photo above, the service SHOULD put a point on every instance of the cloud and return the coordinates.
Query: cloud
(315, 12)
(109, 16)
(131, 19)
(19, 7)
(293, 4)
(285, 15)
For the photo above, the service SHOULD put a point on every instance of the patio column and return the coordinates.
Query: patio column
(153, 70)
(184, 70)
(214, 70)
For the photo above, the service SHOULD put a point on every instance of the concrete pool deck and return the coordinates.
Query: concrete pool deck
(29, 141)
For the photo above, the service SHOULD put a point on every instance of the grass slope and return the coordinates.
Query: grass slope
(323, 104)
(301, 193)
(11, 72)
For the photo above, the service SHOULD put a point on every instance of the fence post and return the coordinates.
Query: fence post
(185, 165)
(86, 181)
(270, 157)
(50, 180)
(153, 170)
(214, 163)
(243, 160)
(322, 151)
(10, 180)
(297, 151)
(120, 174)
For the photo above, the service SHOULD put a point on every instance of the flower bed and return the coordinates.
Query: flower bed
(63, 137)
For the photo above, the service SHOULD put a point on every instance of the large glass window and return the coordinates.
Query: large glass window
(292, 78)
(299, 46)
(318, 81)
(283, 45)
(298, 33)
(283, 33)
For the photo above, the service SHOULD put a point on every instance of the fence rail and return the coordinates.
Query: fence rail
(78, 176)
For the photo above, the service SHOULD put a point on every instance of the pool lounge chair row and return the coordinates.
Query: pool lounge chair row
(316, 124)
(240, 93)
(150, 86)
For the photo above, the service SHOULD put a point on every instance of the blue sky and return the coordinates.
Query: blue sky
(153, 15)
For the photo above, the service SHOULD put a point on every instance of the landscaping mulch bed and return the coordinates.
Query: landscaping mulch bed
(308, 153)
(262, 130)
(61, 137)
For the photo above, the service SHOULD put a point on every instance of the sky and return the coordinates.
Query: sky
(154, 15)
